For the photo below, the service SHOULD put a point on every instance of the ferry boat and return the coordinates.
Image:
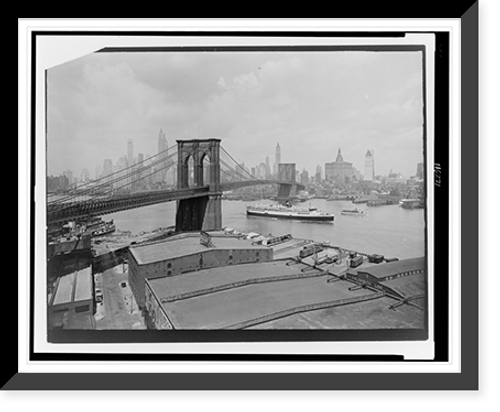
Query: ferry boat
(287, 211)
(354, 212)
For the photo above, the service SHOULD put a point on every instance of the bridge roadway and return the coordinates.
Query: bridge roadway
(62, 212)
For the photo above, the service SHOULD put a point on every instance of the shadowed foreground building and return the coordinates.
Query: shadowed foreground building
(71, 305)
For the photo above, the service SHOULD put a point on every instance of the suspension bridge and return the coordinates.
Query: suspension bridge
(204, 169)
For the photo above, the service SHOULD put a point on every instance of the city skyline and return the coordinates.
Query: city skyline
(108, 166)
(252, 101)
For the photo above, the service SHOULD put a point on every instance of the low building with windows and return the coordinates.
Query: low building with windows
(340, 170)
(71, 305)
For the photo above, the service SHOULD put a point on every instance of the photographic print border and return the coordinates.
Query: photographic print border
(441, 354)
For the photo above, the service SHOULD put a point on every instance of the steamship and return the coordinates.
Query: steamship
(289, 212)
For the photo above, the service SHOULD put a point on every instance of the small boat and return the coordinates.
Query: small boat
(104, 229)
(353, 212)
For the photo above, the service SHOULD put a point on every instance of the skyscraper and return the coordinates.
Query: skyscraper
(107, 169)
(97, 170)
(130, 152)
(304, 177)
(162, 154)
(69, 175)
(369, 166)
(317, 177)
(162, 142)
(277, 159)
(267, 174)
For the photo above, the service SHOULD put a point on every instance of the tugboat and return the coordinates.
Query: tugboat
(287, 211)
(104, 229)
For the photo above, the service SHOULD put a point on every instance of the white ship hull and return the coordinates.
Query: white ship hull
(295, 215)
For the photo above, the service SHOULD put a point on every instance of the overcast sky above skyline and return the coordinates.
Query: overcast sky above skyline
(312, 103)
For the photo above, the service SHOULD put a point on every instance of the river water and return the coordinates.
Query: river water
(387, 230)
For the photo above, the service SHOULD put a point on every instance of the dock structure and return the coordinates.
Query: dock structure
(285, 291)
(243, 296)
(231, 280)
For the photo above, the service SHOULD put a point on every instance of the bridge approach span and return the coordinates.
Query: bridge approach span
(62, 212)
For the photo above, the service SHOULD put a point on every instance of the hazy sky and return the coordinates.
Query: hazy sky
(312, 103)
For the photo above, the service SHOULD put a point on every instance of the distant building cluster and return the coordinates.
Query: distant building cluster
(165, 174)
(338, 171)
(263, 169)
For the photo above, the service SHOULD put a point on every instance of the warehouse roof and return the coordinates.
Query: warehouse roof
(183, 245)
(393, 268)
(75, 286)
(239, 295)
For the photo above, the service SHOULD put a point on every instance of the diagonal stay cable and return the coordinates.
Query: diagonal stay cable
(117, 175)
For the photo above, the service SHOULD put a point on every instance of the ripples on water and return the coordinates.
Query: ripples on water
(388, 230)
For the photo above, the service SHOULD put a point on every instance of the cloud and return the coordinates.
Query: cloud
(104, 107)
(312, 103)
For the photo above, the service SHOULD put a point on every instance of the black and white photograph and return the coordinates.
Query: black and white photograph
(242, 201)
(247, 188)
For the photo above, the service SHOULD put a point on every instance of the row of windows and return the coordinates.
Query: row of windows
(399, 275)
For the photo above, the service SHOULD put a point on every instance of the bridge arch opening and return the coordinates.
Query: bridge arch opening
(189, 165)
(205, 163)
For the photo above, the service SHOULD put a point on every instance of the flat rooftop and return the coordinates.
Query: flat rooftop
(74, 287)
(408, 286)
(393, 268)
(182, 245)
(227, 296)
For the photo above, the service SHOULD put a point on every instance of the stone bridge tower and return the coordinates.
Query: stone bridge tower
(201, 213)
(286, 171)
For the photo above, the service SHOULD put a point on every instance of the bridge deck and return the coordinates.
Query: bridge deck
(101, 206)
(61, 212)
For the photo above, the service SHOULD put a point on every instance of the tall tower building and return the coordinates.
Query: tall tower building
(277, 159)
(162, 154)
(162, 142)
(304, 177)
(318, 174)
(107, 169)
(69, 175)
(130, 152)
(369, 166)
